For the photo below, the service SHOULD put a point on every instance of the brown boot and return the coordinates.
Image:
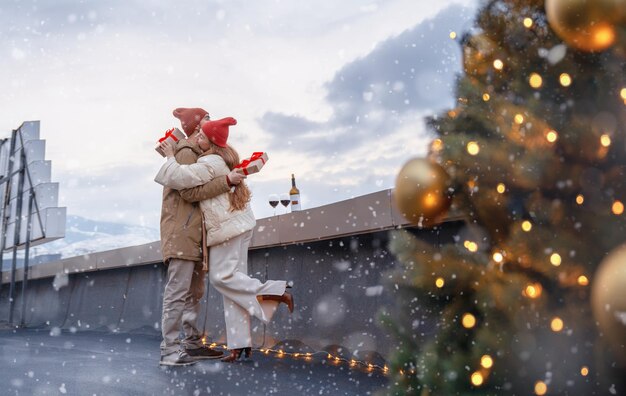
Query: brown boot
(286, 299)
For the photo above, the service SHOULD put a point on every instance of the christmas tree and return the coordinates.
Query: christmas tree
(527, 300)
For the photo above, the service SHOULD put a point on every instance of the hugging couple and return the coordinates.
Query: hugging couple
(207, 227)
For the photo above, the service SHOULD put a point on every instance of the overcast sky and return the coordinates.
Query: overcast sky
(334, 91)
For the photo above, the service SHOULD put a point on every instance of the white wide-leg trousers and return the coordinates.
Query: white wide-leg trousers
(228, 274)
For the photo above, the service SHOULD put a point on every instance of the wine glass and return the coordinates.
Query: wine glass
(285, 200)
(273, 200)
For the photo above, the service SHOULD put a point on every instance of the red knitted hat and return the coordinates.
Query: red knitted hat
(217, 131)
(189, 118)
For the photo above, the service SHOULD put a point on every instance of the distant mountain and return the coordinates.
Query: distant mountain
(84, 236)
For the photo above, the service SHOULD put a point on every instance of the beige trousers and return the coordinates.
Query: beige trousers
(229, 276)
(181, 303)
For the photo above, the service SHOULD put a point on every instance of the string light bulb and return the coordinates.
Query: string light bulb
(555, 259)
(501, 188)
(605, 140)
(533, 290)
(617, 208)
(497, 257)
(486, 97)
(535, 80)
(556, 324)
(468, 320)
(580, 199)
(439, 282)
(486, 361)
(622, 93)
(498, 64)
(528, 22)
(540, 388)
(519, 119)
(527, 225)
(477, 379)
(473, 148)
(552, 136)
(584, 371)
(583, 280)
(565, 79)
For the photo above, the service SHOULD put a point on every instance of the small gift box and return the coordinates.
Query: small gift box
(172, 135)
(252, 164)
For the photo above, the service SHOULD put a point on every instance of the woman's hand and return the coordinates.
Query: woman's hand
(168, 148)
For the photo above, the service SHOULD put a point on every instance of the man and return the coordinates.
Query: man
(181, 246)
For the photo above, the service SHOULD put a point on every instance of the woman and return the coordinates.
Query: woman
(229, 223)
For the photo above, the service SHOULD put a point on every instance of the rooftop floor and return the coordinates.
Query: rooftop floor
(45, 362)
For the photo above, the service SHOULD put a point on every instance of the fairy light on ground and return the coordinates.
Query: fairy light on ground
(477, 379)
(497, 257)
(580, 199)
(584, 371)
(473, 148)
(439, 282)
(519, 119)
(555, 259)
(486, 97)
(552, 136)
(452, 35)
(583, 280)
(605, 140)
(565, 79)
(486, 361)
(501, 188)
(622, 93)
(540, 388)
(535, 80)
(528, 22)
(498, 64)
(617, 208)
(556, 324)
(527, 225)
(468, 320)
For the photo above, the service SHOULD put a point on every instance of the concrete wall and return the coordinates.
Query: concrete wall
(334, 255)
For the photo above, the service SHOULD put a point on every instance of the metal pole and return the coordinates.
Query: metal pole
(5, 203)
(18, 226)
(29, 226)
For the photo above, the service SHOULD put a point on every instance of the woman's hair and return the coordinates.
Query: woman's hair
(240, 198)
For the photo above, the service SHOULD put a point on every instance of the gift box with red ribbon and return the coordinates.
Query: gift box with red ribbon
(252, 164)
(171, 135)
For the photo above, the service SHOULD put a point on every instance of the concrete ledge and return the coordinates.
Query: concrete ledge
(361, 215)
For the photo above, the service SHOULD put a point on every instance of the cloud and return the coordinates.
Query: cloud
(373, 95)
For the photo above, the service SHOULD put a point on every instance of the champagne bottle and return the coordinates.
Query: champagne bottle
(294, 195)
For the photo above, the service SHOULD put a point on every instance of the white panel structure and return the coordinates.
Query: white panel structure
(47, 219)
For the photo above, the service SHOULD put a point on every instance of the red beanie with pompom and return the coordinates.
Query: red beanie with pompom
(189, 118)
(217, 131)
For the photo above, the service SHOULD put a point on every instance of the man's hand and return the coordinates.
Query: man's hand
(235, 177)
(168, 148)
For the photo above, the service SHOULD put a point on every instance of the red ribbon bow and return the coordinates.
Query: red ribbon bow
(169, 133)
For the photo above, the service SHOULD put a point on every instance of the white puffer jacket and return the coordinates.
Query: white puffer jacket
(221, 223)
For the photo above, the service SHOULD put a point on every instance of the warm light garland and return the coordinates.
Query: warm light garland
(556, 324)
(498, 257)
(555, 259)
(486, 361)
(527, 225)
(307, 356)
(552, 136)
(452, 35)
(565, 79)
(519, 119)
(583, 280)
(580, 199)
(477, 379)
(439, 282)
(584, 371)
(486, 97)
(501, 188)
(617, 208)
(498, 64)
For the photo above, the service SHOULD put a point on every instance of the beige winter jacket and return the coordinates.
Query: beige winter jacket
(181, 220)
(221, 223)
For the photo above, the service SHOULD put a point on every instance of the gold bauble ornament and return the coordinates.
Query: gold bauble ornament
(608, 299)
(588, 25)
(422, 192)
